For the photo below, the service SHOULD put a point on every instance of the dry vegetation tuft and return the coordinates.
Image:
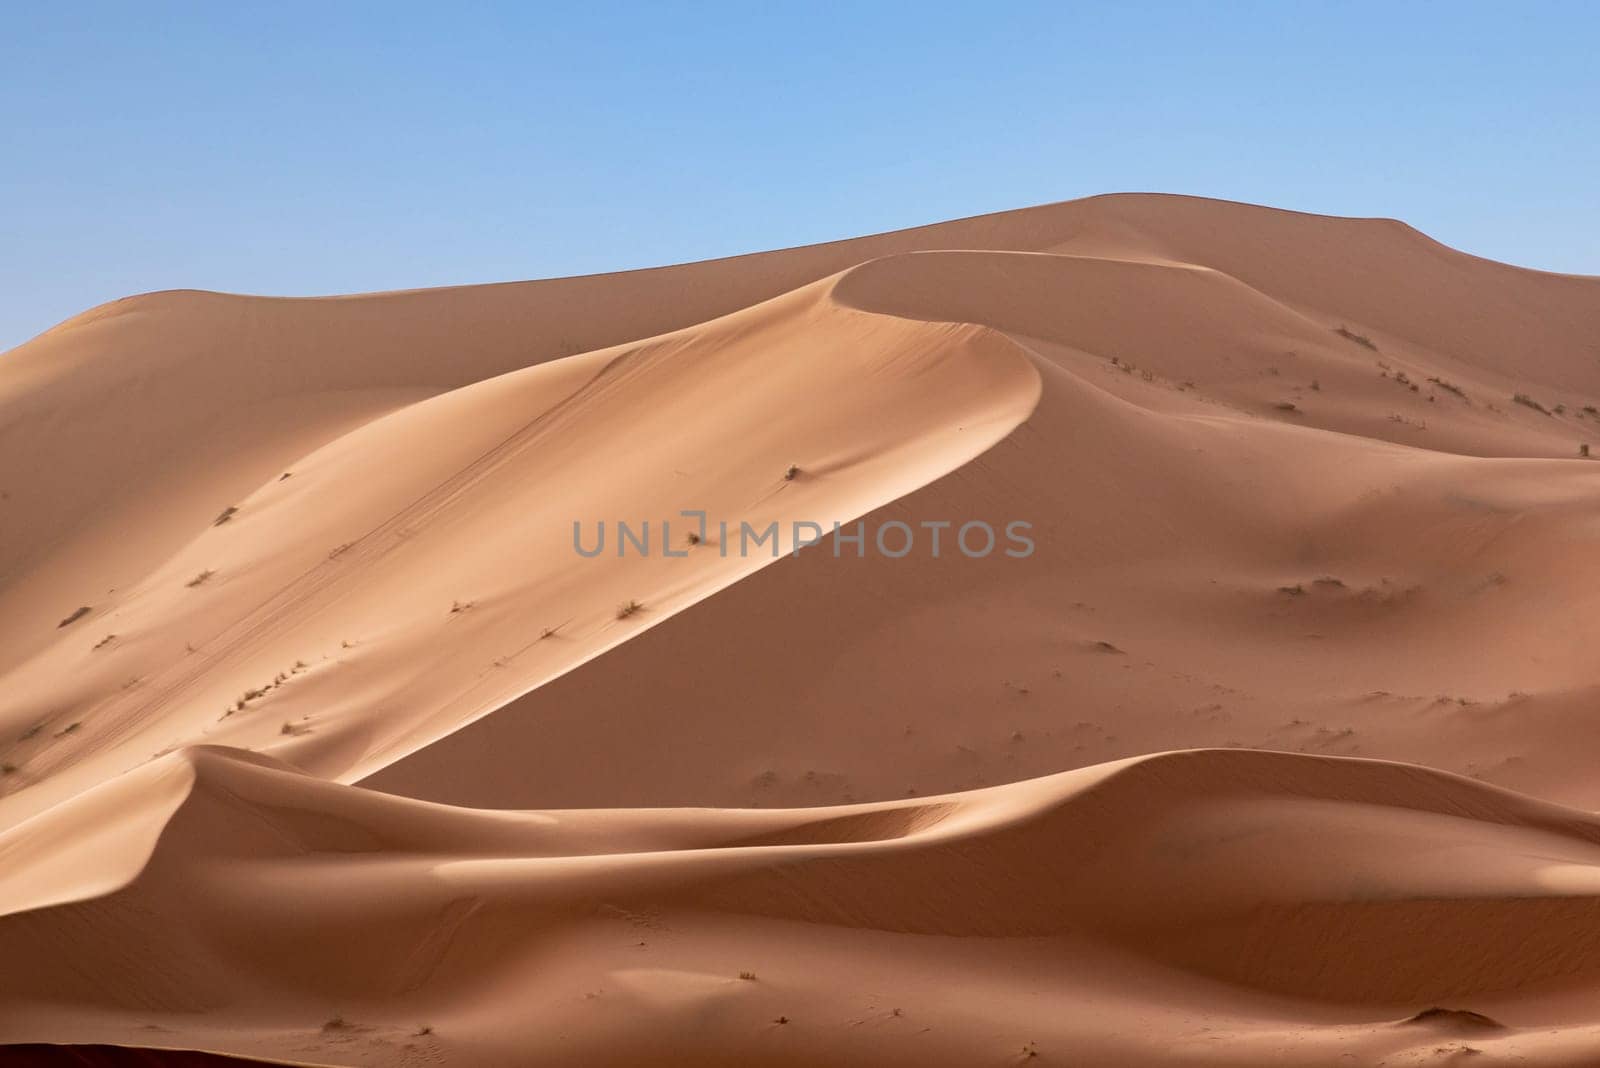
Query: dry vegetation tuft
(1350, 335)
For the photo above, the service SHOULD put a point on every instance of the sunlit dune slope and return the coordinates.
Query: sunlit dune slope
(422, 569)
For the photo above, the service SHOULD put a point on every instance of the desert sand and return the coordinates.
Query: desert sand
(322, 745)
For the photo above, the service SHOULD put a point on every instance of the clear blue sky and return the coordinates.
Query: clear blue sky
(332, 147)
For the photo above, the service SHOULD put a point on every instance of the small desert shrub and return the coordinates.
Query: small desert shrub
(225, 515)
(200, 578)
(1360, 339)
(107, 640)
(1528, 402)
(626, 610)
(77, 614)
(693, 538)
(1456, 1016)
(1287, 406)
(748, 976)
(791, 473)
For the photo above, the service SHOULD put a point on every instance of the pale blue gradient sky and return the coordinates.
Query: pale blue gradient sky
(318, 148)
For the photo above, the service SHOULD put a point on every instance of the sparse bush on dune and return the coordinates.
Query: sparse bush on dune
(628, 609)
(1528, 402)
(1359, 339)
(1465, 1017)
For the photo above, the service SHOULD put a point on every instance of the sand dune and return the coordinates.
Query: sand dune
(1177, 880)
(322, 744)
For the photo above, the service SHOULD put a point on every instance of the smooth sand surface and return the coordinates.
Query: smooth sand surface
(321, 744)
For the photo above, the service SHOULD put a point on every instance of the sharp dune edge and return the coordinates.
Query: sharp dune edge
(322, 746)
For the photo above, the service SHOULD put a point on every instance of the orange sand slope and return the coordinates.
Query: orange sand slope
(271, 569)
(1102, 914)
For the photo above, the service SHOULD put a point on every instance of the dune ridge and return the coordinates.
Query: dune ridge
(1181, 867)
(290, 586)
(322, 744)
